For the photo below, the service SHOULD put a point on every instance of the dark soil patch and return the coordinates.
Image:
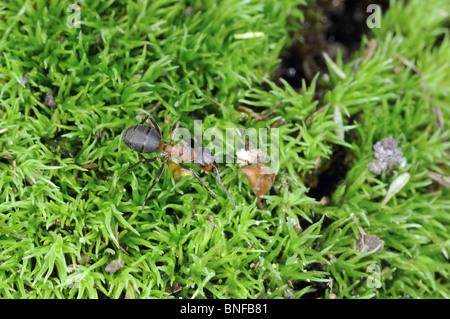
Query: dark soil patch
(329, 26)
(330, 174)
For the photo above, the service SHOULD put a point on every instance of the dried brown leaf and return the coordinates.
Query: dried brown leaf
(49, 100)
(173, 288)
(441, 179)
(261, 178)
(83, 259)
(90, 166)
(178, 171)
(114, 266)
(367, 242)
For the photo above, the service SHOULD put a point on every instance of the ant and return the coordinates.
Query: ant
(146, 139)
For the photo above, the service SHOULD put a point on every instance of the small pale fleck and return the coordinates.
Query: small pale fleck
(189, 11)
(444, 252)
(437, 111)
(252, 156)
(248, 35)
(338, 120)
(72, 268)
(441, 179)
(291, 72)
(334, 66)
(24, 80)
(403, 163)
(396, 186)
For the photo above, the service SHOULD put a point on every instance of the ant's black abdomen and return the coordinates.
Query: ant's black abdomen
(142, 138)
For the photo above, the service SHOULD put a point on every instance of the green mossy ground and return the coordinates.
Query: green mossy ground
(129, 56)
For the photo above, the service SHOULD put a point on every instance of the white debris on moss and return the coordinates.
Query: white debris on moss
(387, 156)
(251, 156)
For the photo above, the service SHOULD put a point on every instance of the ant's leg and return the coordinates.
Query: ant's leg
(198, 177)
(154, 124)
(174, 131)
(155, 181)
(220, 182)
(144, 120)
(141, 160)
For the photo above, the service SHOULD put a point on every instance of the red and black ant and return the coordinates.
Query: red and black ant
(146, 139)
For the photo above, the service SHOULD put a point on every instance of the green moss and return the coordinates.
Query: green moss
(130, 56)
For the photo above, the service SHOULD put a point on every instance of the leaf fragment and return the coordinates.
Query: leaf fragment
(396, 186)
(367, 242)
(114, 266)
